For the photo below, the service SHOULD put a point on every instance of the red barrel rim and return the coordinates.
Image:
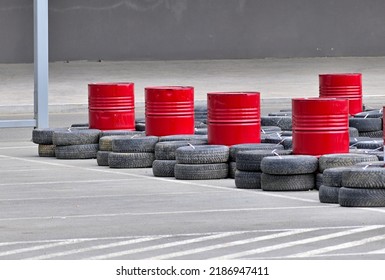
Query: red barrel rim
(169, 87)
(235, 93)
(341, 74)
(111, 84)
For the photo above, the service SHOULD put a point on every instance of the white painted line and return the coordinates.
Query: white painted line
(40, 247)
(106, 196)
(93, 248)
(174, 181)
(158, 236)
(163, 246)
(24, 170)
(229, 244)
(64, 182)
(17, 147)
(164, 213)
(295, 243)
(337, 247)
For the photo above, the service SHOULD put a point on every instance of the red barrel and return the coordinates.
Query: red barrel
(233, 118)
(347, 86)
(320, 126)
(111, 106)
(169, 110)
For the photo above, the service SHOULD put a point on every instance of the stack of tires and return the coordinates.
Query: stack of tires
(165, 156)
(44, 138)
(105, 144)
(332, 167)
(76, 143)
(363, 187)
(368, 124)
(132, 152)
(283, 120)
(205, 162)
(235, 149)
(248, 167)
(288, 173)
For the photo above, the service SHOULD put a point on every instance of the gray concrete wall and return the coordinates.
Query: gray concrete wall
(196, 29)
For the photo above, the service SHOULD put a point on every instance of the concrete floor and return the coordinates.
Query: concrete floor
(74, 209)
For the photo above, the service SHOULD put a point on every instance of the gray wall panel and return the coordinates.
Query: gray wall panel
(196, 29)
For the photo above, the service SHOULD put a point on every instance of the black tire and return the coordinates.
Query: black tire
(166, 150)
(378, 154)
(232, 169)
(203, 154)
(247, 180)
(379, 163)
(338, 160)
(183, 137)
(270, 130)
(76, 137)
(372, 134)
(328, 194)
(303, 182)
(163, 168)
(365, 125)
(80, 125)
(105, 142)
(130, 160)
(46, 150)
(199, 124)
(235, 149)
(86, 151)
(354, 140)
(44, 136)
(121, 133)
(289, 165)
(140, 126)
(365, 178)
(332, 177)
(374, 144)
(280, 114)
(132, 144)
(285, 123)
(353, 132)
(318, 180)
(370, 114)
(102, 158)
(200, 131)
(251, 160)
(201, 171)
(349, 197)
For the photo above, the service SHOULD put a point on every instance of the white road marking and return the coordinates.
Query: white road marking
(337, 247)
(163, 246)
(64, 182)
(106, 196)
(229, 244)
(40, 247)
(182, 182)
(17, 147)
(295, 243)
(163, 213)
(93, 248)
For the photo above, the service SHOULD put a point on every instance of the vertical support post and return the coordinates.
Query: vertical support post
(41, 63)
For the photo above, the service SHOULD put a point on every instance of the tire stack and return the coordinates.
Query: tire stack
(235, 149)
(248, 167)
(283, 122)
(368, 124)
(363, 187)
(269, 131)
(76, 143)
(332, 167)
(200, 113)
(132, 152)
(165, 156)
(204, 162)
(44, 138)
(288, 173)
(105, 144)
(331, 184)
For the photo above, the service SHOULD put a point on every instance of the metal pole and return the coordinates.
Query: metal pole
(41, 63)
